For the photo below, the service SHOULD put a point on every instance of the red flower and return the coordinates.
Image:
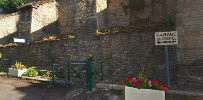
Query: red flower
(165, 89)
(155, 82)
(129, 78)
(123, 84)
(161, 87)
(130, 81)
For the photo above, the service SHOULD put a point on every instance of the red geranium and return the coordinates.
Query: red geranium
(142, 82)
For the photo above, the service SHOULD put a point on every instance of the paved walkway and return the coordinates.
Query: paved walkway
(9, 92)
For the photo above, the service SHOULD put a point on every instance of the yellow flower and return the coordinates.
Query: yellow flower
(90, 55)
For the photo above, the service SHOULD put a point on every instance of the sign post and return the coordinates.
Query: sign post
(167, 65)
(166, 38)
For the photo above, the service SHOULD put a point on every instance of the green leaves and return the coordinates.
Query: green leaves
(31, 72)
(11, 6)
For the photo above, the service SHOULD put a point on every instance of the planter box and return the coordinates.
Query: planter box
(143, 94)
(16, 72)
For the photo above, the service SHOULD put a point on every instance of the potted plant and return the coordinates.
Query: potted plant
(17, 69)
(141, 88)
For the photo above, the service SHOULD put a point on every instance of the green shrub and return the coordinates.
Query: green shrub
(31, 72)
(11, 6)
(47, 74)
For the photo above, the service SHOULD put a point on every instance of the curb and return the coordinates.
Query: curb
(174, 92)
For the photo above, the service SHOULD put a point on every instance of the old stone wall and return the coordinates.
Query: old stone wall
(189, 25)
(101, 10)
(24, 25)
(66, 16)
(113, 13)
(44, 20)
(123, 54)
(129, 12)
(8, 26)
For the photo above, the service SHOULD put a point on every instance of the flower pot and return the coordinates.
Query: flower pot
(143, 94)
(16, 72)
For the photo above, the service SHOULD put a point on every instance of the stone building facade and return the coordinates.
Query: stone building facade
(124, 51)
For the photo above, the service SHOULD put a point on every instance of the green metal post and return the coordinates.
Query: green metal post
(53, 67)
(68, 73)
(101, 70)
(89, 74)
(9, 63)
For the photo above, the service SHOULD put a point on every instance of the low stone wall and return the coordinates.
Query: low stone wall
(123, 54)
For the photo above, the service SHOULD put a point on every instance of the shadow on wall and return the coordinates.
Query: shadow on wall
(8, 26)
(46, 31)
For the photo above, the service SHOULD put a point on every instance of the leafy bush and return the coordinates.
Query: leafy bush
(31, 72)
(47, 74)
(11, 6)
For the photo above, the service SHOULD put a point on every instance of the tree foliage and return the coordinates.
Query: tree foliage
(11, 6)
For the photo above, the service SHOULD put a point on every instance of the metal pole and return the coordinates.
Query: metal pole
(89, 74)
(9, 63)
(167, 65)
(68, 72)
(53, 81)
(101, 70)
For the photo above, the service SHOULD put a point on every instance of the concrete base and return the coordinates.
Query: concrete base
(143, 94)
(16, 72)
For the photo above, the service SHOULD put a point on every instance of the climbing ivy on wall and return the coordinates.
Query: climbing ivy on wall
(11, 6)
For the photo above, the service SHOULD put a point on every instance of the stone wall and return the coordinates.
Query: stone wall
(66, 16)
(34, 21)
(101, 10)
(123, 54)
(189, 25)
(24, 26)
(8, 26)
(44, 20)
(112, 13)
(153, 11)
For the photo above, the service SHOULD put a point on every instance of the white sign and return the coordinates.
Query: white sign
(166, 38)
(19, 40)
